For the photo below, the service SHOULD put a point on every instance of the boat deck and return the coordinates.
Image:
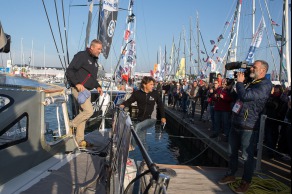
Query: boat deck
(196, 179)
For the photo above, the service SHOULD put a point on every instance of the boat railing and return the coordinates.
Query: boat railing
(122, 131)
(261, 144)
(159, 180)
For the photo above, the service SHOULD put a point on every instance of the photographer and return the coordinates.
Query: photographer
(222, 110)
(246, 113)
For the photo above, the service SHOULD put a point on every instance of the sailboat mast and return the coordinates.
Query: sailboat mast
(130, 21)
(198, 46)
(288, 64)
(253, 17)
(88, 27)
(230, 51)
(178, 50)
(190, 39)
(237, 29)
(185, 54)
(282, 43)
(164, 63)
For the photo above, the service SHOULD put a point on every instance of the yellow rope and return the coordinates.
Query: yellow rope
(265, 185)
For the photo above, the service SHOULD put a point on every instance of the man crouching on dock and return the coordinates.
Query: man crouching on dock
(146, 98)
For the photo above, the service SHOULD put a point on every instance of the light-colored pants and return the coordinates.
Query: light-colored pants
(85, 112)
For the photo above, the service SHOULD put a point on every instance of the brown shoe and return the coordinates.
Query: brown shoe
(82, 144)
(243, 187)
(85, 144)
(226, 180)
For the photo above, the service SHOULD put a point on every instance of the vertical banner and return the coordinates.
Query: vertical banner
(256, 41)
(181, 69)
(3, 39)
(107, 24)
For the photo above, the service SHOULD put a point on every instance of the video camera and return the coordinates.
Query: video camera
(240, 65)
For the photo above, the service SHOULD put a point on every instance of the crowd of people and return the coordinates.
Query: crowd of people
(234, 109)
(214, 102)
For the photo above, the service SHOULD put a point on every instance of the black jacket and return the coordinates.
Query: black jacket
(254, 98)
(145, 103)
(83, 70)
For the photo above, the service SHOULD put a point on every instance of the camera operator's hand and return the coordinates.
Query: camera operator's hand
(240, 77)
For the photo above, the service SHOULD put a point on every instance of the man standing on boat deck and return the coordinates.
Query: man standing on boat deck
(246, 114)
(82, 74)
(146, 98)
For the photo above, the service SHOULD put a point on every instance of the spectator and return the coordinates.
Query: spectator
(246, 113)
(222, 110)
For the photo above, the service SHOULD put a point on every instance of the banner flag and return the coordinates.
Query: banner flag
(3, 39)
(181, 69)
(256, 41)
(107, 24)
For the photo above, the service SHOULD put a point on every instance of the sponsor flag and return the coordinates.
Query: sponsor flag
(212, 42)
(256, 41)
(219, 59)
(278, 37)
(127, 34)
(120, 72)
(107, 24)
(220, 38)
(227, 23)
(203, 52)
(213, 65)
(215, 49)
(181, 69)
(156, 71)
(274, 23)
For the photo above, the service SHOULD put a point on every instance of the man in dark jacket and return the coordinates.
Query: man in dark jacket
(246, 113)
(146, 98)
(82, 75)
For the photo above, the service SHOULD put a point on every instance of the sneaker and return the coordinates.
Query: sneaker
(226, 180)
(243, 187)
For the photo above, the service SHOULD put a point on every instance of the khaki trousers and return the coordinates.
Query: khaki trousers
(85, 112)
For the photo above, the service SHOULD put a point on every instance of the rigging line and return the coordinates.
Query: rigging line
(53, 34)
(274, 32)
(146, 37)
(65, 32)
(79, 47)
(268, 37)
(57, 16)
(206, 66)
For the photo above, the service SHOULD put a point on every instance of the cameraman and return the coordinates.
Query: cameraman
(251, 100)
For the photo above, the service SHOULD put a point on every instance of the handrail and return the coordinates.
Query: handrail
(261, 139)
(151, 166)
(121, 135)
(160, 179)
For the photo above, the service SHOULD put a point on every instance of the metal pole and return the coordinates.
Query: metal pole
(287, 45)
(260, 143)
